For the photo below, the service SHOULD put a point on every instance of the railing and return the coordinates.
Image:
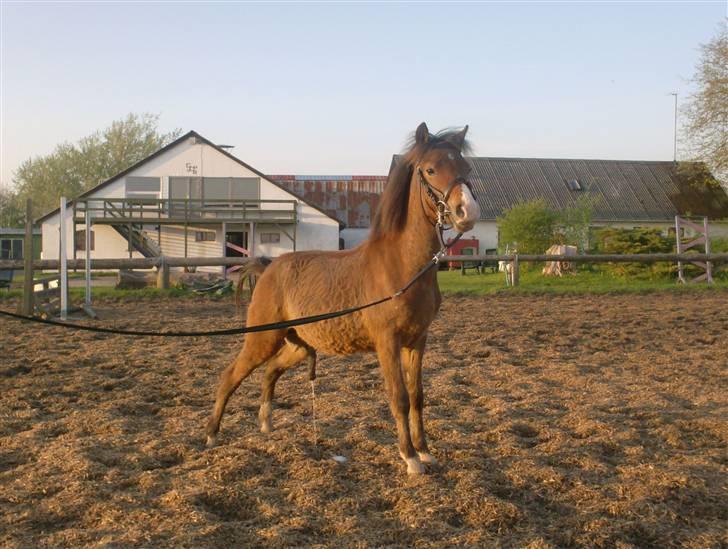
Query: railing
(176, 210)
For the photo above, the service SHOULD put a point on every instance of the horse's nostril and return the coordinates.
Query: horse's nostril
(460, 212)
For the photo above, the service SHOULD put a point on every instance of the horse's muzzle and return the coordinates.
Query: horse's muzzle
(466, 211)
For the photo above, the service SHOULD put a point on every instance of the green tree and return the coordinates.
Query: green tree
(11, 215)
(530, 226)
(72, 169)
(706, 112)
(576, 222)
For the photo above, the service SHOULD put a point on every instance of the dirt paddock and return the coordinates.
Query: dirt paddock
(557, 421)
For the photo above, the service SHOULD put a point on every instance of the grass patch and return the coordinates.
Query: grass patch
(586, 282)
(452, 282)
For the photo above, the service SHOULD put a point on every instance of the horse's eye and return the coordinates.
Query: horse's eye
(430, 171)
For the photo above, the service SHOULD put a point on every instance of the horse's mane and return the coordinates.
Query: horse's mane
(391, 216)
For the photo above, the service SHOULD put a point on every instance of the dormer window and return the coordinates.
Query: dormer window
(574, 185)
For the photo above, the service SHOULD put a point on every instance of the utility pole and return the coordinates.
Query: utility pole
(674, 131)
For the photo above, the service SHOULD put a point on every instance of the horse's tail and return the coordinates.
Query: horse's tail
(250, 271)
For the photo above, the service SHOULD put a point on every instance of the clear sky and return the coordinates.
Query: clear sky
(335, 88)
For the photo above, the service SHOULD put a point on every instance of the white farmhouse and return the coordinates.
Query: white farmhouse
(191, 198)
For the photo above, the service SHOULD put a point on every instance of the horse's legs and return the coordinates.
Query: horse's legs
(389, 350)
(293, 352)
(258, 348)
(412, 366)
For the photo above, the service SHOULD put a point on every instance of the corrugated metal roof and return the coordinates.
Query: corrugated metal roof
(622, 190)
(15, 231)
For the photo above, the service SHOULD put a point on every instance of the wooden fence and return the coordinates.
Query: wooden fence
(153, 262)
(163, 264)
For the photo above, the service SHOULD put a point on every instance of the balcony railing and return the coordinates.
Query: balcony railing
(183, 210)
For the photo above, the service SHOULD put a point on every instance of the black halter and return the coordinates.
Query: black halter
(441, 207)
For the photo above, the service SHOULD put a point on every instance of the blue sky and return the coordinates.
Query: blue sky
(324, 88)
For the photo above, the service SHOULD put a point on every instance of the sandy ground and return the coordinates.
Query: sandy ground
(558, 421)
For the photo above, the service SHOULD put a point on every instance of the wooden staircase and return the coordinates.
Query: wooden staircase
(134, 233)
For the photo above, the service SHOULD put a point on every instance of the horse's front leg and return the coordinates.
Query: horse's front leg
(412, 366)
(389, 351)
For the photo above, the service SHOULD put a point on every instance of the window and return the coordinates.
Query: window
(204, 236)
(143, 187)
(11, 248)
(574, 185)
(80, 240)
(270, 238)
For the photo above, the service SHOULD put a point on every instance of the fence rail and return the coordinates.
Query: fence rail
(600, 258)
(151, 262)
(129, 263)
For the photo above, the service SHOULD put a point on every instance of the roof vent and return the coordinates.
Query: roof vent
(574, 185)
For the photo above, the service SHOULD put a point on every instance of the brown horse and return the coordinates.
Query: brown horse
(403, 239)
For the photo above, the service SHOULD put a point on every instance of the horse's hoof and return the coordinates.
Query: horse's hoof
(264, 416)
(426, 457)
(414, 466)
(211, 441)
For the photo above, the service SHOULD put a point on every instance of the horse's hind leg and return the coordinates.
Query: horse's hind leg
(293, 352)
(258, 348)
(412, 366)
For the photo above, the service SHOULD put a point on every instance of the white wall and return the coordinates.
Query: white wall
(486, 232)
(353, 237)
(315, 230)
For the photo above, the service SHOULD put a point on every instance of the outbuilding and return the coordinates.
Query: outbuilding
(191, 198)
(622, 193)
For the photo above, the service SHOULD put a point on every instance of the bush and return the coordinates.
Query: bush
(634, 241)
(530, 226)
(719, 246)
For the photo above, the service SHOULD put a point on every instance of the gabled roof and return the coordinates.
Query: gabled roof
(17, 231)
(621, 190)
(170, 146)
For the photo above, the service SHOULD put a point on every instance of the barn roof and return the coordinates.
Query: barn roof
(621, 190)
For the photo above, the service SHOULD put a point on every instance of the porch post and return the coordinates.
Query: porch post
(224, 248)
(251, 244)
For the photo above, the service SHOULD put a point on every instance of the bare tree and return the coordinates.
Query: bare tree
(706, 112)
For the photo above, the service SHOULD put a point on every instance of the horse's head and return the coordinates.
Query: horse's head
(442, 172)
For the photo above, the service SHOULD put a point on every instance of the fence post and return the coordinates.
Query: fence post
(63, 261)
(708, 264)
(516, 271)
(27, 305)
(163, 274)
(87, 247)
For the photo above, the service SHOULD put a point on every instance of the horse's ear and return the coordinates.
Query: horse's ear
(458, 139)
(422, 134)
